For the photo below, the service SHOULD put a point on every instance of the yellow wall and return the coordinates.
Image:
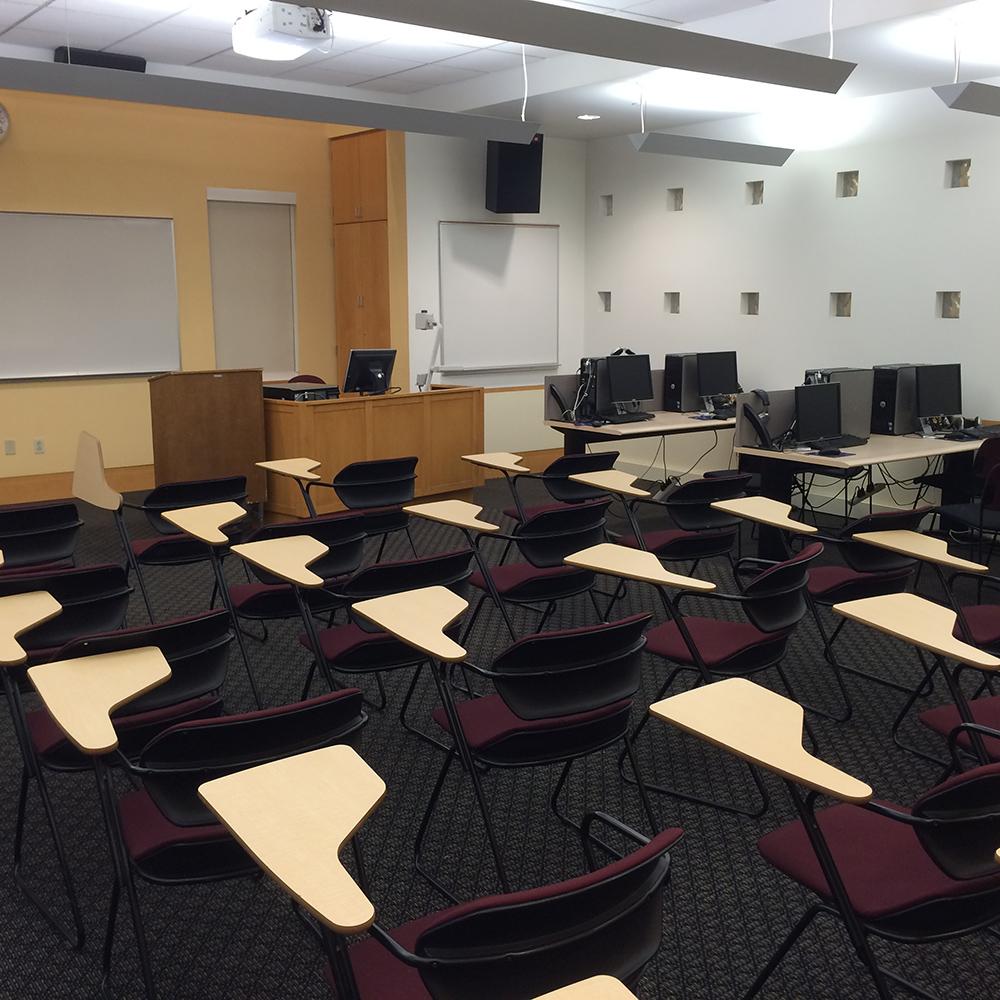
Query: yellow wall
(76, 155)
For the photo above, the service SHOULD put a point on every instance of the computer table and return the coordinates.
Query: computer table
(778, 468)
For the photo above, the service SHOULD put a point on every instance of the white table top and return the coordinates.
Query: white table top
(207, 521)
(293, 468)
(19, 613)
(663, 422)
(881, 448)
(294, 816)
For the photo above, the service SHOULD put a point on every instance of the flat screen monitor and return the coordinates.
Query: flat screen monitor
(817, 412)
(629, 378)
(717, 374)
(369, 371)
(939, 390)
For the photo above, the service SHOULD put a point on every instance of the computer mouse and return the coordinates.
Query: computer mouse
(830, 452)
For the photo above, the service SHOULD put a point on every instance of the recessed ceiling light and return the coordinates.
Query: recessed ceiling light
(588, 118)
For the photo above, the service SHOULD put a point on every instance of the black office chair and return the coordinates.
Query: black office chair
(38, 535)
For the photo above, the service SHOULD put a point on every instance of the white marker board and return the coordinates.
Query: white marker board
(87, 295)
(499, 296)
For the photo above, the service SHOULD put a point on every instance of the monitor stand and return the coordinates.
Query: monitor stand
(935, 426)
(721, 406)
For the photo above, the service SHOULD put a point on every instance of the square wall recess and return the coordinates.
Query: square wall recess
(750, 303)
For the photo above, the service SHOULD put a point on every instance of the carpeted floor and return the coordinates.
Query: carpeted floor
(725, 912)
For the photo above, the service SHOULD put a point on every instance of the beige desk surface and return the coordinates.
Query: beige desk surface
(633, 564)
(294, 816)
(765, 511)
(19, 613)
(611, 480)
(918, 546)
(459, 513)
(760, 726)
(598, 988)
(206, 522)
(663, 422)
(419, 618)
(502, 460)
(286, 558)
(81, 694)
(293, 468)
(919, 622)
(880, 448)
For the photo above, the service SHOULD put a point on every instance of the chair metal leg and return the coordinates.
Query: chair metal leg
(381, 549)
(546, 615)
(831, 659)
(406, 704)
(409, 538)
(133, 563)
(915, 694)
(601, 616)
(472, 620)
(31, 769)
(220, 583)
(425, 822)
(793, 935)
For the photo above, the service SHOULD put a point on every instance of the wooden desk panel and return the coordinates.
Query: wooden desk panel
(437, 427)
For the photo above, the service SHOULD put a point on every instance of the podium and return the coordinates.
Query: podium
(209, 424)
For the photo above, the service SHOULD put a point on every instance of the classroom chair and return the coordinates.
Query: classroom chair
(310, 379)
(272, 599)
(377, 490)
(559, 698)
(38, 535)
(969, 482)
(912, 875)
(163, 833)
(772, 604)
(556, 480)
(355, 650)
(981, 517)
(865, 571)
(544, 539)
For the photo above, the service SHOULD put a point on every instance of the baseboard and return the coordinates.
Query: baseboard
(59, 485)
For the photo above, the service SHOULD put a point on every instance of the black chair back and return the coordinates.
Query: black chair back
(528, 943)
(174, 496)
(869, 559)
(775, 600)
(343, 536)
(185, 756)
(965, 846)
(547, 538)
(448, 569)
(94, 599)
(556, 476)
(38, 533)
(196, 648)
(690, 505)
(554, 674)
(987, 458)
(386, 482)
(991, 490)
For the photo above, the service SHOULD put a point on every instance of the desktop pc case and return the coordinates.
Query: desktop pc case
(856, 395)
(894, 400)
(300, 392)
(680, 383)
(595, 390)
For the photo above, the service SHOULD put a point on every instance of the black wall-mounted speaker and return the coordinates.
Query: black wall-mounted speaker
(514, 177)
(103, 60)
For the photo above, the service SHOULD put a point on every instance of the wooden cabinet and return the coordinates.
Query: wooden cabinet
(361, 255)
(360, 182)
(368, 174)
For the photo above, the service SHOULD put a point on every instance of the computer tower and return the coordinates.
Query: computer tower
(595, 391)
(894, 400)
(300, 392)
(680, 383)
(856, 395)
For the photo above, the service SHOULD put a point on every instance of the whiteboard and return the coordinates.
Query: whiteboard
(499, 296)
(86, 295)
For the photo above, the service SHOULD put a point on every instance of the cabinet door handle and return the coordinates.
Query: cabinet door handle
(361, 301)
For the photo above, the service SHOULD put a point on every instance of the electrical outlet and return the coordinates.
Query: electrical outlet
(39, 446)
(10, 447)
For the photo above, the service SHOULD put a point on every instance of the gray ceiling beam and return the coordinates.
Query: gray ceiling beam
(668, 144)
(182, 92)
(981, 98)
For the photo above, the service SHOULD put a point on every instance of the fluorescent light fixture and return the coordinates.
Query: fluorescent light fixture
(185, 92)
(981, 98)
(570, 30)
(668, 144)
(588, 118)
(281, 32)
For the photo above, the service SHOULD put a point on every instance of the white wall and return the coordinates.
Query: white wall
(446, 182)
(902, 240)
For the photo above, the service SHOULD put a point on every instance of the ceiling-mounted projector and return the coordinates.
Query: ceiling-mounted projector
(282, 31)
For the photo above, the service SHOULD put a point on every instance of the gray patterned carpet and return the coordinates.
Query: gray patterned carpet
(725, 911)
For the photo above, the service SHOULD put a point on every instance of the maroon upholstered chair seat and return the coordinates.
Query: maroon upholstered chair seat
(169, 549)
(519, 578)
(985, 711)
(676, 538)
(718, 641)
(530, 512)
(837, 583)
(885, 869)
(984, 624)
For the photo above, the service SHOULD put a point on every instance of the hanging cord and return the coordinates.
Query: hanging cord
(830, 24)
(642, 110)
(69, 51)
(958, 52)
(524, 67)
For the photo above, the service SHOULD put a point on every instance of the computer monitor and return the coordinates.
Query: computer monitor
(939, 390)
(817, 412)
(629, 378)
(369, 371)
(717, 374)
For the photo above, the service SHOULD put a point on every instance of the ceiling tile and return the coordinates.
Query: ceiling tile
(532, 50)
(421, 78)
(488, 60)
(363, 63)
(87, 30)
(231, 62)
(325, 71)
(685, 11)
(417, 53)
(166, 43)
(153, 10)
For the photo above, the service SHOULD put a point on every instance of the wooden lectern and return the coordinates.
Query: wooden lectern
(209, 424)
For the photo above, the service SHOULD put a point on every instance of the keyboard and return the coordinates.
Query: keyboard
(982, 433)
(724, 413)
(829, 444)
(626, 418)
